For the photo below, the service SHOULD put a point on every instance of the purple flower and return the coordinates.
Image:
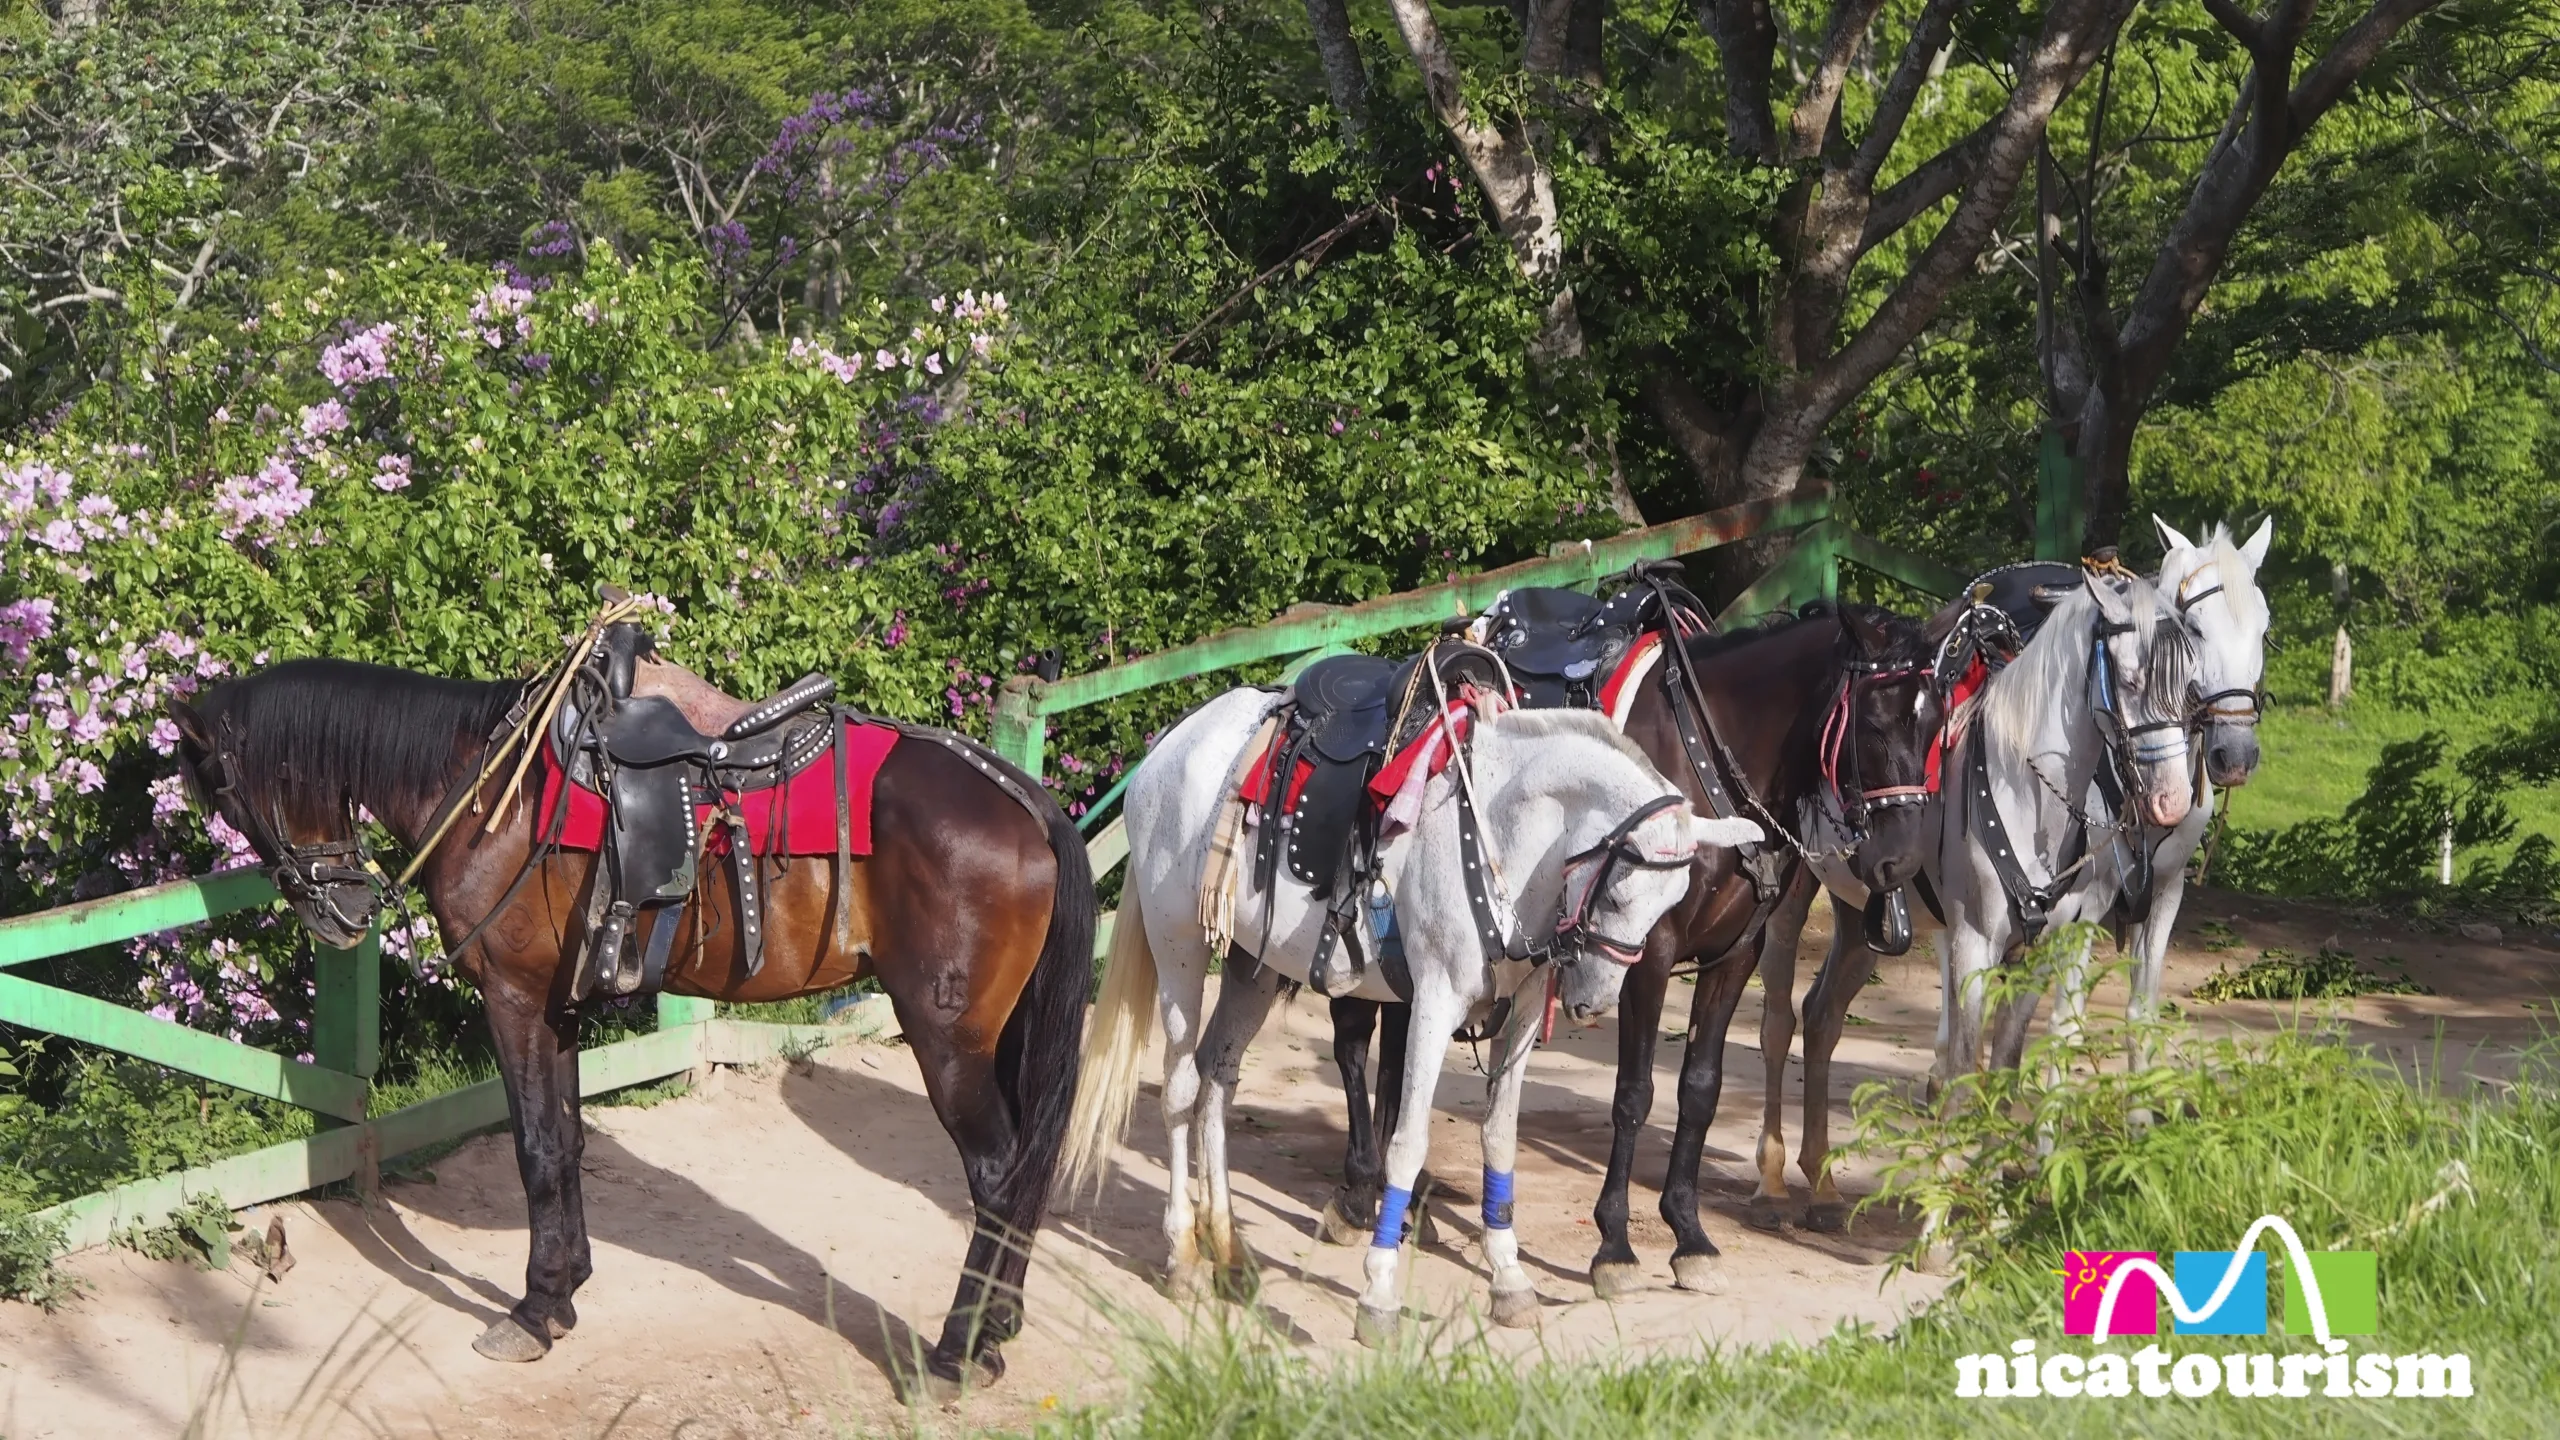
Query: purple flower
(324, 419)
(391, 474)
(23, 623)
(359, 359)
(265, 501)
(551, 239)
(84, 775)
(61, 535)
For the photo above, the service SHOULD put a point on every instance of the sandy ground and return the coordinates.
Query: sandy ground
(769, 1249)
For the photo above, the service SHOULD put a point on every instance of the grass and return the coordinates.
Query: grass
(2453, 1193)
(2314, 762)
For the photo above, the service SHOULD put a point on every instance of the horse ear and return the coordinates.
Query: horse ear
(2255, 551)
(1864, 630)
(1706, 834)
(2113, 602)
(190, 724)
(2170, 539)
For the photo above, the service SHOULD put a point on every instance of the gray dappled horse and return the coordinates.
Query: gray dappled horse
(1591, 845)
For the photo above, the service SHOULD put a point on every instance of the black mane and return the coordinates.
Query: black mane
(328, 729)
(1909, 641)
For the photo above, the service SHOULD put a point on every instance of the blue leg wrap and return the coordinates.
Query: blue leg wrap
(1497, 1199)
(1391, 1208)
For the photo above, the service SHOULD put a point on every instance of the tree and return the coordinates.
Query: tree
(1745, 402)
(2102, 371)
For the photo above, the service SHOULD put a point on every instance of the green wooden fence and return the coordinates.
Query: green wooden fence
(336, 1086)
(345, 1046)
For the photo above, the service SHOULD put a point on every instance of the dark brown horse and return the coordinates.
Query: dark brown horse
(979, 911)
(1771, 692)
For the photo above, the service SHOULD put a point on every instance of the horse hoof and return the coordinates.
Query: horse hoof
(1335, 1228)
(1697, 1274)
(1189, 1282)
(1616, 1280)
(931, 1385)
(1831, 1217)
(510, 1342)
(1515, 1309)
(1764, 1212)
(1375, 1328)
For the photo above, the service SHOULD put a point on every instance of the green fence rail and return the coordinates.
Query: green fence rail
(337, 1085)
(346, 1045)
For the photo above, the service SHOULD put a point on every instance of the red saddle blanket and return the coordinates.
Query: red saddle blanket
(796, 817)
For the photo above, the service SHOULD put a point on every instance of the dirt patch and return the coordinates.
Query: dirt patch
(767, 1253)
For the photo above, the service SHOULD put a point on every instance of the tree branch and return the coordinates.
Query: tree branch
(1747, 42)
(2337, 72)
(1312, 252)
(2242, 28)
(1338, 53)
(1893, 106)
(1915, 194)
(1819, 100)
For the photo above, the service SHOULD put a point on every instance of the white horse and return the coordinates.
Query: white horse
(2212, 590)
(1576, 823)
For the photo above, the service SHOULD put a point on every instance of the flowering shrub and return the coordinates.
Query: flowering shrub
(431, 468)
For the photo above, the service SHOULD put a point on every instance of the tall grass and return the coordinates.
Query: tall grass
(2456, 1194)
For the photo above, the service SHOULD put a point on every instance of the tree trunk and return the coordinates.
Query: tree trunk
(1345, 79)
(2342, 670)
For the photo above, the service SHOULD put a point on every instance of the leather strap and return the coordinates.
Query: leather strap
(2029, 903)
(844, 836)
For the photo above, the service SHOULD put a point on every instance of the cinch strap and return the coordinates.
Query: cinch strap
(1391, 1208)
(1497, 1199)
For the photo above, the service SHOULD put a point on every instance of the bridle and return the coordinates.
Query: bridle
(2210, 709)
(1841, 750)
(1576, 933)
(2154, 742)
(312, 876)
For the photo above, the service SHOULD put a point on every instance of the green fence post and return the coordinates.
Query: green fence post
(346, 1008)
(2058, 517)
(1021, 731)
(346, 1034)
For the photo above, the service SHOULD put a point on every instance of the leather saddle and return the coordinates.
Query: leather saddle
(655, 769)
(1562, 645)
(1342, 718)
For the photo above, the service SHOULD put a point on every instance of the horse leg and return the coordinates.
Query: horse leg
(1515, 1300)
(1963, 977)
(1395, 1032)
(1826, 1008)
(1720, 987)
(1767, 1207)
(1435, 1014)
(1242, 1007)
(537, 1049)
(1613, 1266)
(1354, 1207)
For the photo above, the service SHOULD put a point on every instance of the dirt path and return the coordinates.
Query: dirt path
(766, 1252)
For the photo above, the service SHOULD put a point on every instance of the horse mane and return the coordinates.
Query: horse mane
(332, 728)
(1548, 724)
(2055, 664)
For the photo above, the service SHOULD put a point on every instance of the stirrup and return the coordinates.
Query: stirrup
(604, 952)
(1326, 976)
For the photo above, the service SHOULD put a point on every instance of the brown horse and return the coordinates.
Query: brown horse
(979, 907)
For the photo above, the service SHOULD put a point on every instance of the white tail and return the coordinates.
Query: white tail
(1115, 1039)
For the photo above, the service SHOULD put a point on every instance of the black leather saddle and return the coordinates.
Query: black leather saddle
(1999, 611)
(1342, 718)
(654, 770)
(1562, 645)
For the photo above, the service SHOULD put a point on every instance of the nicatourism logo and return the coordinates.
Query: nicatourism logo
(2108, 1294)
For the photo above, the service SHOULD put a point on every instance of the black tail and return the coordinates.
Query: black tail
(1037, 1056)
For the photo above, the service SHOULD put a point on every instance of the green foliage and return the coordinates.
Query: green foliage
(29, 1248)
(2276, 974)
(197, 1232)
(112, 1120)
